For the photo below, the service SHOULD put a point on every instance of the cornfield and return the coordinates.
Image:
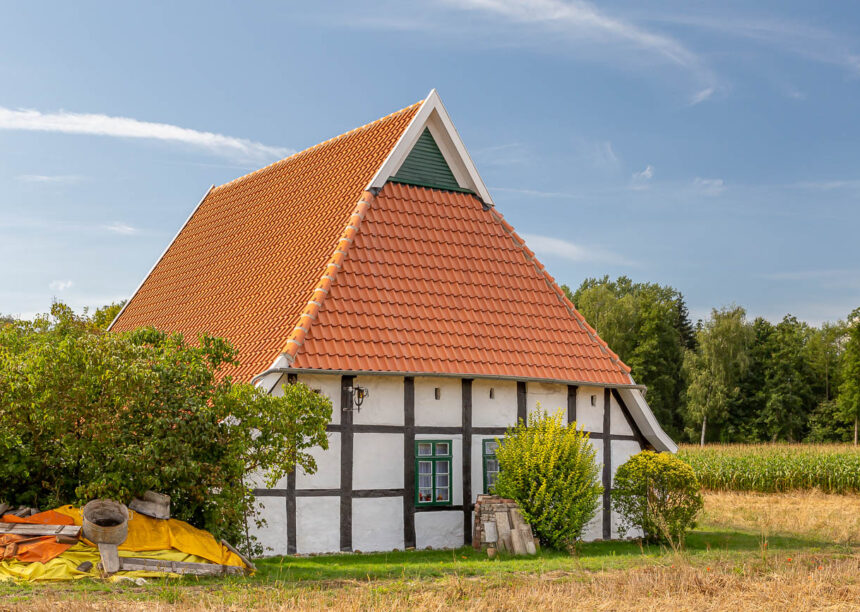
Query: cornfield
(769, 468)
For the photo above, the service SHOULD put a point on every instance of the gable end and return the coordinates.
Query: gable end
(425, 166)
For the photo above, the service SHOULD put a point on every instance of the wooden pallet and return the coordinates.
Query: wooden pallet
(176, 567)
(28, 529)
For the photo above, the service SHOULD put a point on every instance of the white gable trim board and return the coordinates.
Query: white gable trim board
(433, 116)
(364, 495)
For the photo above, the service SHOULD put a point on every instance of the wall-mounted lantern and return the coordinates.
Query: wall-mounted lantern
(358, 395)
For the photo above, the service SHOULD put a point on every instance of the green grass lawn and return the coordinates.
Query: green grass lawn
(703, 546)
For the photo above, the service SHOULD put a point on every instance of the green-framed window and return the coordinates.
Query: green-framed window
(491, 465)
(433, 472)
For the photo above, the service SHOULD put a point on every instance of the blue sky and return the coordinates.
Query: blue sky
(710, 146)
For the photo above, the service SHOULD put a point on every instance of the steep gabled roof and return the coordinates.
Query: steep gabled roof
(302, 260)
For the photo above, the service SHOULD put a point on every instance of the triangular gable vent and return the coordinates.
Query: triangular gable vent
(425, 166)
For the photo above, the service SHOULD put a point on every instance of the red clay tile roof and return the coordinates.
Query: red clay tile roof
(434, 283)
(296, 258)
(244, 265)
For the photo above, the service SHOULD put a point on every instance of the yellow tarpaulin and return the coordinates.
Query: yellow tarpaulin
(65, 566)
(146, 533)
(149, 538)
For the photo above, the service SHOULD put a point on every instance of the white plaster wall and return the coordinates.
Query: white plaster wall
(317, 524)
(377, 461)
(384, 405)
(622, 450)
(439, 529)
(617, 422)
(498, 412)
(273, 535)
(327, 475)
(329, 386)
(456, 463)
(594, 528)
(550, 397)
(377, 523)
(447, 411)
(590, 417)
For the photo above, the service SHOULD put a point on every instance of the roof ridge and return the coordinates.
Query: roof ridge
(317, 146)
(297, 337)
(530, 256)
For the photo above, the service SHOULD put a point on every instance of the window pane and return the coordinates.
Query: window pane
(425, 495)
(443, 449)
(443, 467)
(425, 449)
(442, 495)
(425, 467)
(442, 480)
(492, 465)
(490, 447)
(492, 477)
(425, 480)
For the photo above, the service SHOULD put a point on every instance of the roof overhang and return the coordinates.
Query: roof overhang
(645, 419)
(433, 116)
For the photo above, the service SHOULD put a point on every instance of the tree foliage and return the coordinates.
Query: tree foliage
(849, 390)
(86, 414)
(714, 369)
(550, 470)
(648, 326)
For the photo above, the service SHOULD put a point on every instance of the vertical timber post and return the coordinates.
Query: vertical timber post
(467, 461)
(607, 466)
(291, 497)
(571, 403)
(346, 463)
(522, 413)
(409, 462)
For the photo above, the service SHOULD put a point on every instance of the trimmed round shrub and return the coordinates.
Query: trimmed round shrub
(657, 493)
(549, 469)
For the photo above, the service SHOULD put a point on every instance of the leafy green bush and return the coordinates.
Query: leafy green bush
(659, 494)
(549, 469)
(86, 414)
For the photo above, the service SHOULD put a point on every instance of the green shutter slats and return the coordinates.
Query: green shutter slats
(425, 166)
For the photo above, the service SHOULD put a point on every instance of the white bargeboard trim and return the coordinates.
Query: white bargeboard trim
(433, 116)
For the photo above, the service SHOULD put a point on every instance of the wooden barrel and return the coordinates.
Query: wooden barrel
(105, 522)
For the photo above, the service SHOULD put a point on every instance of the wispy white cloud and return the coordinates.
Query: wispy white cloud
(556, 247)
(117, 227)
(701, 96)
(642, 179)
(47, 178)
(584, 21)
(125, 127)
(803, 40)
(60, 285)
(709, 186)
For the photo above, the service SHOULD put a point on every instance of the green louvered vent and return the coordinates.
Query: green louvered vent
(425, 166)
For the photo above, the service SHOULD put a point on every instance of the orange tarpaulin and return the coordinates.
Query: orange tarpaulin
(39, 548)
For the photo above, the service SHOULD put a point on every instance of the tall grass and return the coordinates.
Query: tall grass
(770, 468)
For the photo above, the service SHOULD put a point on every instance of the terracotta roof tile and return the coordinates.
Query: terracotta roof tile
(452, 290)
(247, 261)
